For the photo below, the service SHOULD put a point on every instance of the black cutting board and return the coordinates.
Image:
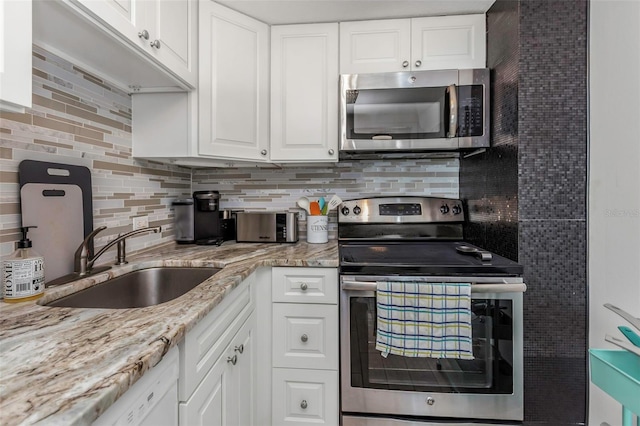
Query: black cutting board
(57, 198)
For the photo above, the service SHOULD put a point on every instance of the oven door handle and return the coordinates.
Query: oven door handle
(475, 288)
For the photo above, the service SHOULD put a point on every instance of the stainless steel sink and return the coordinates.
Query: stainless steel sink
(137, 289)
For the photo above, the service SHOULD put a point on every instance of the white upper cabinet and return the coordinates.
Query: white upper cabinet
(440, 42)
(375, 46)
(233, 86)
(163, 29)
(15, 55)
(304, 93)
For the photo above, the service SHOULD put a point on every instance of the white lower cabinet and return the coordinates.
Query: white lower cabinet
(304, 335)
(226, 395)
(305, 355)
(266, 355)
(302, 396)
(217, 383)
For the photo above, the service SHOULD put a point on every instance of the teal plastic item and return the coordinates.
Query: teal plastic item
(618, 374)
(630, 334)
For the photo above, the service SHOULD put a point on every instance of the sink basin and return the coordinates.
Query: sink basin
(137, 289)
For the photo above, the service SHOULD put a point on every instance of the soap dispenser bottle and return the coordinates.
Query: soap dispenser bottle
(23, 272)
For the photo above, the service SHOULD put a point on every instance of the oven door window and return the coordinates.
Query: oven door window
(490, 372)
(415, 113)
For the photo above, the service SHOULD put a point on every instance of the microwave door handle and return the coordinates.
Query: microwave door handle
(453, 110)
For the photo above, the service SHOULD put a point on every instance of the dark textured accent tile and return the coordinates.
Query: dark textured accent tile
(489, 181)
(552, 122)
(553, 254)
(554, 391)
(537, 54)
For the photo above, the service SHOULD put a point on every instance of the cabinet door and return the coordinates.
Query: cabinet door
(173, 36)
(305, 397)
(127, 17)
(305, 285)
(375, 46)
(243, 401)
(206, 407)
(226, 396)
(448, 42)
(233, 84)
(306, 337)
(304, 92)
(15, 55)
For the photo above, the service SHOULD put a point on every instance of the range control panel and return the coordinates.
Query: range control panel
(401, 210)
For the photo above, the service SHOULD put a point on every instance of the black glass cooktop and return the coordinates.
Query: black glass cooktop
(422, 258)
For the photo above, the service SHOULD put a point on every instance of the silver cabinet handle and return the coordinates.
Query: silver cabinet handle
(304, 338)
(405, 64)
(156, 44)
(232, 359)
(304, 286)
(263, 152)
(430, 401)
(239, 348)
(418, 63)
(144, 34)
(331, 151)
(304, 404)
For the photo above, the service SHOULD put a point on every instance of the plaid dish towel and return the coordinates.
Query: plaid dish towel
(430, 320)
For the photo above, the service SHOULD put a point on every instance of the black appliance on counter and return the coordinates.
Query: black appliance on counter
(198, 219)
(419, 239)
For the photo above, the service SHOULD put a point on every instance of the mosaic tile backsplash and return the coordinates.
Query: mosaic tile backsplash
(80, 119)
(252, 189)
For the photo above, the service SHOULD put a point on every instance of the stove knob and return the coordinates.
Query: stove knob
(444, 209)
(345, 210)
(456, 209)
(357, 210)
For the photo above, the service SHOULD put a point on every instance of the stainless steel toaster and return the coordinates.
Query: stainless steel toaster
(266, 227)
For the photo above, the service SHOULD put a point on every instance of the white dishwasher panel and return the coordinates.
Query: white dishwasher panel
(152, 401)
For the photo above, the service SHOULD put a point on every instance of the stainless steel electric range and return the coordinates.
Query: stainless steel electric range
(420, 239)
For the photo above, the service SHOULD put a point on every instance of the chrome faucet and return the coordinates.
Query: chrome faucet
(82, 259)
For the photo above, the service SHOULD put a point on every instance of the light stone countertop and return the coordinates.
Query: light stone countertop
(66, 366)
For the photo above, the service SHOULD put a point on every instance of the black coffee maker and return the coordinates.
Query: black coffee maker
(206, 218)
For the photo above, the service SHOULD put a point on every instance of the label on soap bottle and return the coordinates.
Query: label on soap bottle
(22, 278)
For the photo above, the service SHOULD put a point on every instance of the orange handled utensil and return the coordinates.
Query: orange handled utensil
(314, 208)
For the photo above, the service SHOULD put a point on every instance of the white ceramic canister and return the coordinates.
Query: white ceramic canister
(317, 229)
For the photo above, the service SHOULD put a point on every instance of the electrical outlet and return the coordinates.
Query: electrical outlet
(140, 222)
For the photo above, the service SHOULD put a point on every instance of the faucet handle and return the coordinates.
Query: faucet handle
(89, 238)
(82, 254)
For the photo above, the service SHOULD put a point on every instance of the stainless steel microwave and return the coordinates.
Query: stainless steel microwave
(414, 112)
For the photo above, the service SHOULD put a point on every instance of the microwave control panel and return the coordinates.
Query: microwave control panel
(470, 110)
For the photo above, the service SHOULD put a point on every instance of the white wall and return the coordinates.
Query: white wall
(614, 179)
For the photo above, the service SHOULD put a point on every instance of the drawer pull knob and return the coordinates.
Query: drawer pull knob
(232, 359)
(405, 64)
(156, 44)
(304, 286)
(304, 337)
(144, 34)
(239, 348)
(304, 404)
(418, 63)
(430, 401)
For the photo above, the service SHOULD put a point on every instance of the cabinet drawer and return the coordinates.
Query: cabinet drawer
(305, 336)
(204, 344)
(305, 397)
(305, 285)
